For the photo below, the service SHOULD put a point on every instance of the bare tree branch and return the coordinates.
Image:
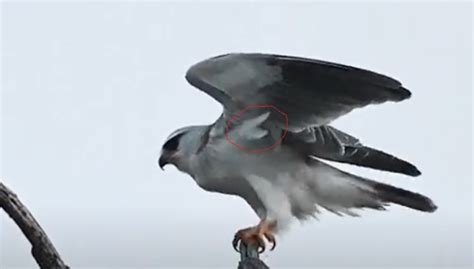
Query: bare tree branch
(41, 247)
(46, 255)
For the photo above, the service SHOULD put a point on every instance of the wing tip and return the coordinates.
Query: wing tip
(402, 93)
(405, 198)
(426, 204)
(431, 207)
(413, 171)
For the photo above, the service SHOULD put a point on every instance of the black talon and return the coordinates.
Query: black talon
(272, 240)
(235, 243)
(274, 245)
(261, 244)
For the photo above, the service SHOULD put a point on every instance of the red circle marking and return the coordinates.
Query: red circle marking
(255, 151)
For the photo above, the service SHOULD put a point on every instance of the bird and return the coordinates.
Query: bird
(273, 143)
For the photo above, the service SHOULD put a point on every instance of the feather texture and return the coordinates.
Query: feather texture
(331, 144)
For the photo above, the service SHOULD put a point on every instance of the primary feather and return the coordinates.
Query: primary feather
(311, 92)
(331, 144)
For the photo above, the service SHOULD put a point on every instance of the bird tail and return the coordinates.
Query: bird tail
(391, 194)
(339, 191)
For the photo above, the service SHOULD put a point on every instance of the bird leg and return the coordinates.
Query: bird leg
(255, 236)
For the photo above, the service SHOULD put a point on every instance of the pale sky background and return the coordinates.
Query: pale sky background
(90, 91)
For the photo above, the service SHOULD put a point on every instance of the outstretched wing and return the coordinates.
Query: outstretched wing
(311, 92)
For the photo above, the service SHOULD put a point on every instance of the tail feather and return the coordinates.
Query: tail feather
(403, 197)
(339, 191)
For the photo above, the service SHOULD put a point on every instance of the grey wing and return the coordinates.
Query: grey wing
(331, 144)
(311, 92)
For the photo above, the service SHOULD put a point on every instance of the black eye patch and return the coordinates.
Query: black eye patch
(173, 143)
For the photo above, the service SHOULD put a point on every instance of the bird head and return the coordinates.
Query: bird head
(179, 146)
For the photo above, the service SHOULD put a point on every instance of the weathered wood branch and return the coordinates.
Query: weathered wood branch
(42, 249)
(249, 258)
(45, 253)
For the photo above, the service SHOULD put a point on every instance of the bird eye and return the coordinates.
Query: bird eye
(172, 144)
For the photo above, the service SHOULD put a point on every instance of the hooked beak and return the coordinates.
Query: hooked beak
(163, 160)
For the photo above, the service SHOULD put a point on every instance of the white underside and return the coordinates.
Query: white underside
(288, 187)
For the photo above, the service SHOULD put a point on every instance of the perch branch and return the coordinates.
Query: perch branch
(42, 249)
(249, 258)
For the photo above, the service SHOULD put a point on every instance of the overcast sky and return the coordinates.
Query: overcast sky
(90, 92)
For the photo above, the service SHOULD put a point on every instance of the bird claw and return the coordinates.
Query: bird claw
(235, 242)
(254, 236)
(260, 245)
(271, 239)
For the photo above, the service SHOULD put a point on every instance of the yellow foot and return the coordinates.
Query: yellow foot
(255, 236)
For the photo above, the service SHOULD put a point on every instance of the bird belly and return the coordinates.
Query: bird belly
(263, 180)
